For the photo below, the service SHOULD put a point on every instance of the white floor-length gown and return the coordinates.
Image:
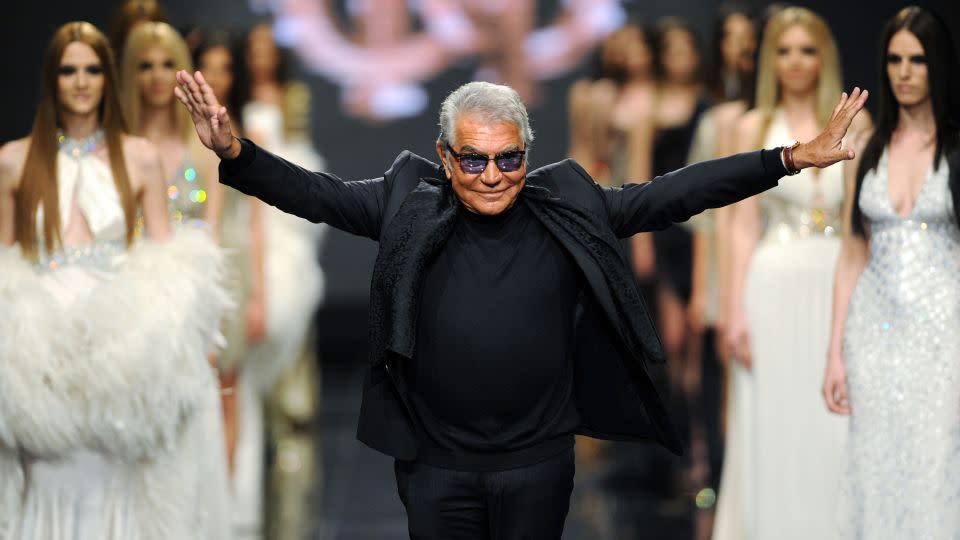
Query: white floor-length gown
(105, 389)
(782, 481)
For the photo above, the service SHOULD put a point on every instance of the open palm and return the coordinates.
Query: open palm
(209, 117)
(827, 148)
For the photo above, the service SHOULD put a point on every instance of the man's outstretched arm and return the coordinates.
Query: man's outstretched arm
(355, 207)
(678, 195)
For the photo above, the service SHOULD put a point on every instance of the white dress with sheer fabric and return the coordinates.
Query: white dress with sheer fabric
(785, 449)
(105, 389)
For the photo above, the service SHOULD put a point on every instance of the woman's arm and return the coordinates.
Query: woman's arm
(149, 176)
(744, 231)
(578, 109)
(726, 126)
(697, 306)
(850, 264)
(640, 165)
(7, 216)
(213, 212)
(256, 308)
(12, 156)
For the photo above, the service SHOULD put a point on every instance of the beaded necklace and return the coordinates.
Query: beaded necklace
(80, 147)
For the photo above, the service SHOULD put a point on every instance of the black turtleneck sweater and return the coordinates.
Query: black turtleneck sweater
(491, 379)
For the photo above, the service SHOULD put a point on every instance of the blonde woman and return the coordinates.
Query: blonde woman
(780, 475)
(104, 383)
(153, 53)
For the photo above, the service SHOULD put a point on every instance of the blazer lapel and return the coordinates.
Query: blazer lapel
(417, 231)
(598, 254)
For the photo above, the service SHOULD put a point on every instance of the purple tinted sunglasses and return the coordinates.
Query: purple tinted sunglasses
(472, 163)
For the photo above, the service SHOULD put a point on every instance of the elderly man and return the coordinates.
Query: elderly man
(503, 318)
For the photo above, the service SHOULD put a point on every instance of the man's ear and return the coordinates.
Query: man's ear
(444, 159)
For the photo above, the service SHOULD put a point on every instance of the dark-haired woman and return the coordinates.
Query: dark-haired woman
(679, 106)
(605, 113)
(894, 356)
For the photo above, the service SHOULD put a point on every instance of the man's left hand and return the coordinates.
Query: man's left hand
(827, 148)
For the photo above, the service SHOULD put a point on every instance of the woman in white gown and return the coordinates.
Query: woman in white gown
(894, 357)
(154, 51)
(277, 117)
(104, 382)
(780, 471)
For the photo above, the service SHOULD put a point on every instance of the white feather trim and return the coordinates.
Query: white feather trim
(11, 492)
(120, 370)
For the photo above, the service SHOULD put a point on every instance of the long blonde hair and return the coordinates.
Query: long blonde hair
(38, 184)
(829, 84)
(144, 36)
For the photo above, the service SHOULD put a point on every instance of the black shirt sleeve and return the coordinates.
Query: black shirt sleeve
(681, 194)
(353, 206)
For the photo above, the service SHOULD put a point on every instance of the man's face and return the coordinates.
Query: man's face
(492, 191)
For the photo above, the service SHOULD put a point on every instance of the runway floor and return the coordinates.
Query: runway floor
(356, 499)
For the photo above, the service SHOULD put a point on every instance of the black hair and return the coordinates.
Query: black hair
(244, 81)
(715, 67)
(942, 68)
(216, 38)
(619, 74)
(664, 25)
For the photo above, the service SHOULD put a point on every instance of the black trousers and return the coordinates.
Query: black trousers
(526, 503)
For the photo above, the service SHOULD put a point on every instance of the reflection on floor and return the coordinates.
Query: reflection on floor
(617, 496)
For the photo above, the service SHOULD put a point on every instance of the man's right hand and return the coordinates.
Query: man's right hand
(209, 117)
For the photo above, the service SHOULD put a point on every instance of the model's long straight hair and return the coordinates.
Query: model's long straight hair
(769, 93)
(38, 183)
(942, 68)
(145, 36)
(128, 16)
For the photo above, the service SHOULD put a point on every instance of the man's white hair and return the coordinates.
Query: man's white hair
(493, 103)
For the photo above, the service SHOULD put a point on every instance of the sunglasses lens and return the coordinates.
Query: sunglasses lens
(473, 164)
(510, 161)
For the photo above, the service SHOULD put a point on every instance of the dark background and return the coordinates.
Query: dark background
(357, 149)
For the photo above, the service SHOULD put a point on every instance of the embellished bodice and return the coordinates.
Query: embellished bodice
(186, 198)
(85, 188)
(917, 256)
(804, 205)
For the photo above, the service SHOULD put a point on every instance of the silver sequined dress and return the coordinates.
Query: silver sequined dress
(902, 354)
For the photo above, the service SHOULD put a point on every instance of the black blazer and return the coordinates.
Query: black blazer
(411, 209)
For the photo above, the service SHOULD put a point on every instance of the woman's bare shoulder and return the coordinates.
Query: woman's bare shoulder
(729, 113)
(12, 157)
(139, 149)
(750, 121)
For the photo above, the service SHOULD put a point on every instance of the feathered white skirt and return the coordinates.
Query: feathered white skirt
(106, 396)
